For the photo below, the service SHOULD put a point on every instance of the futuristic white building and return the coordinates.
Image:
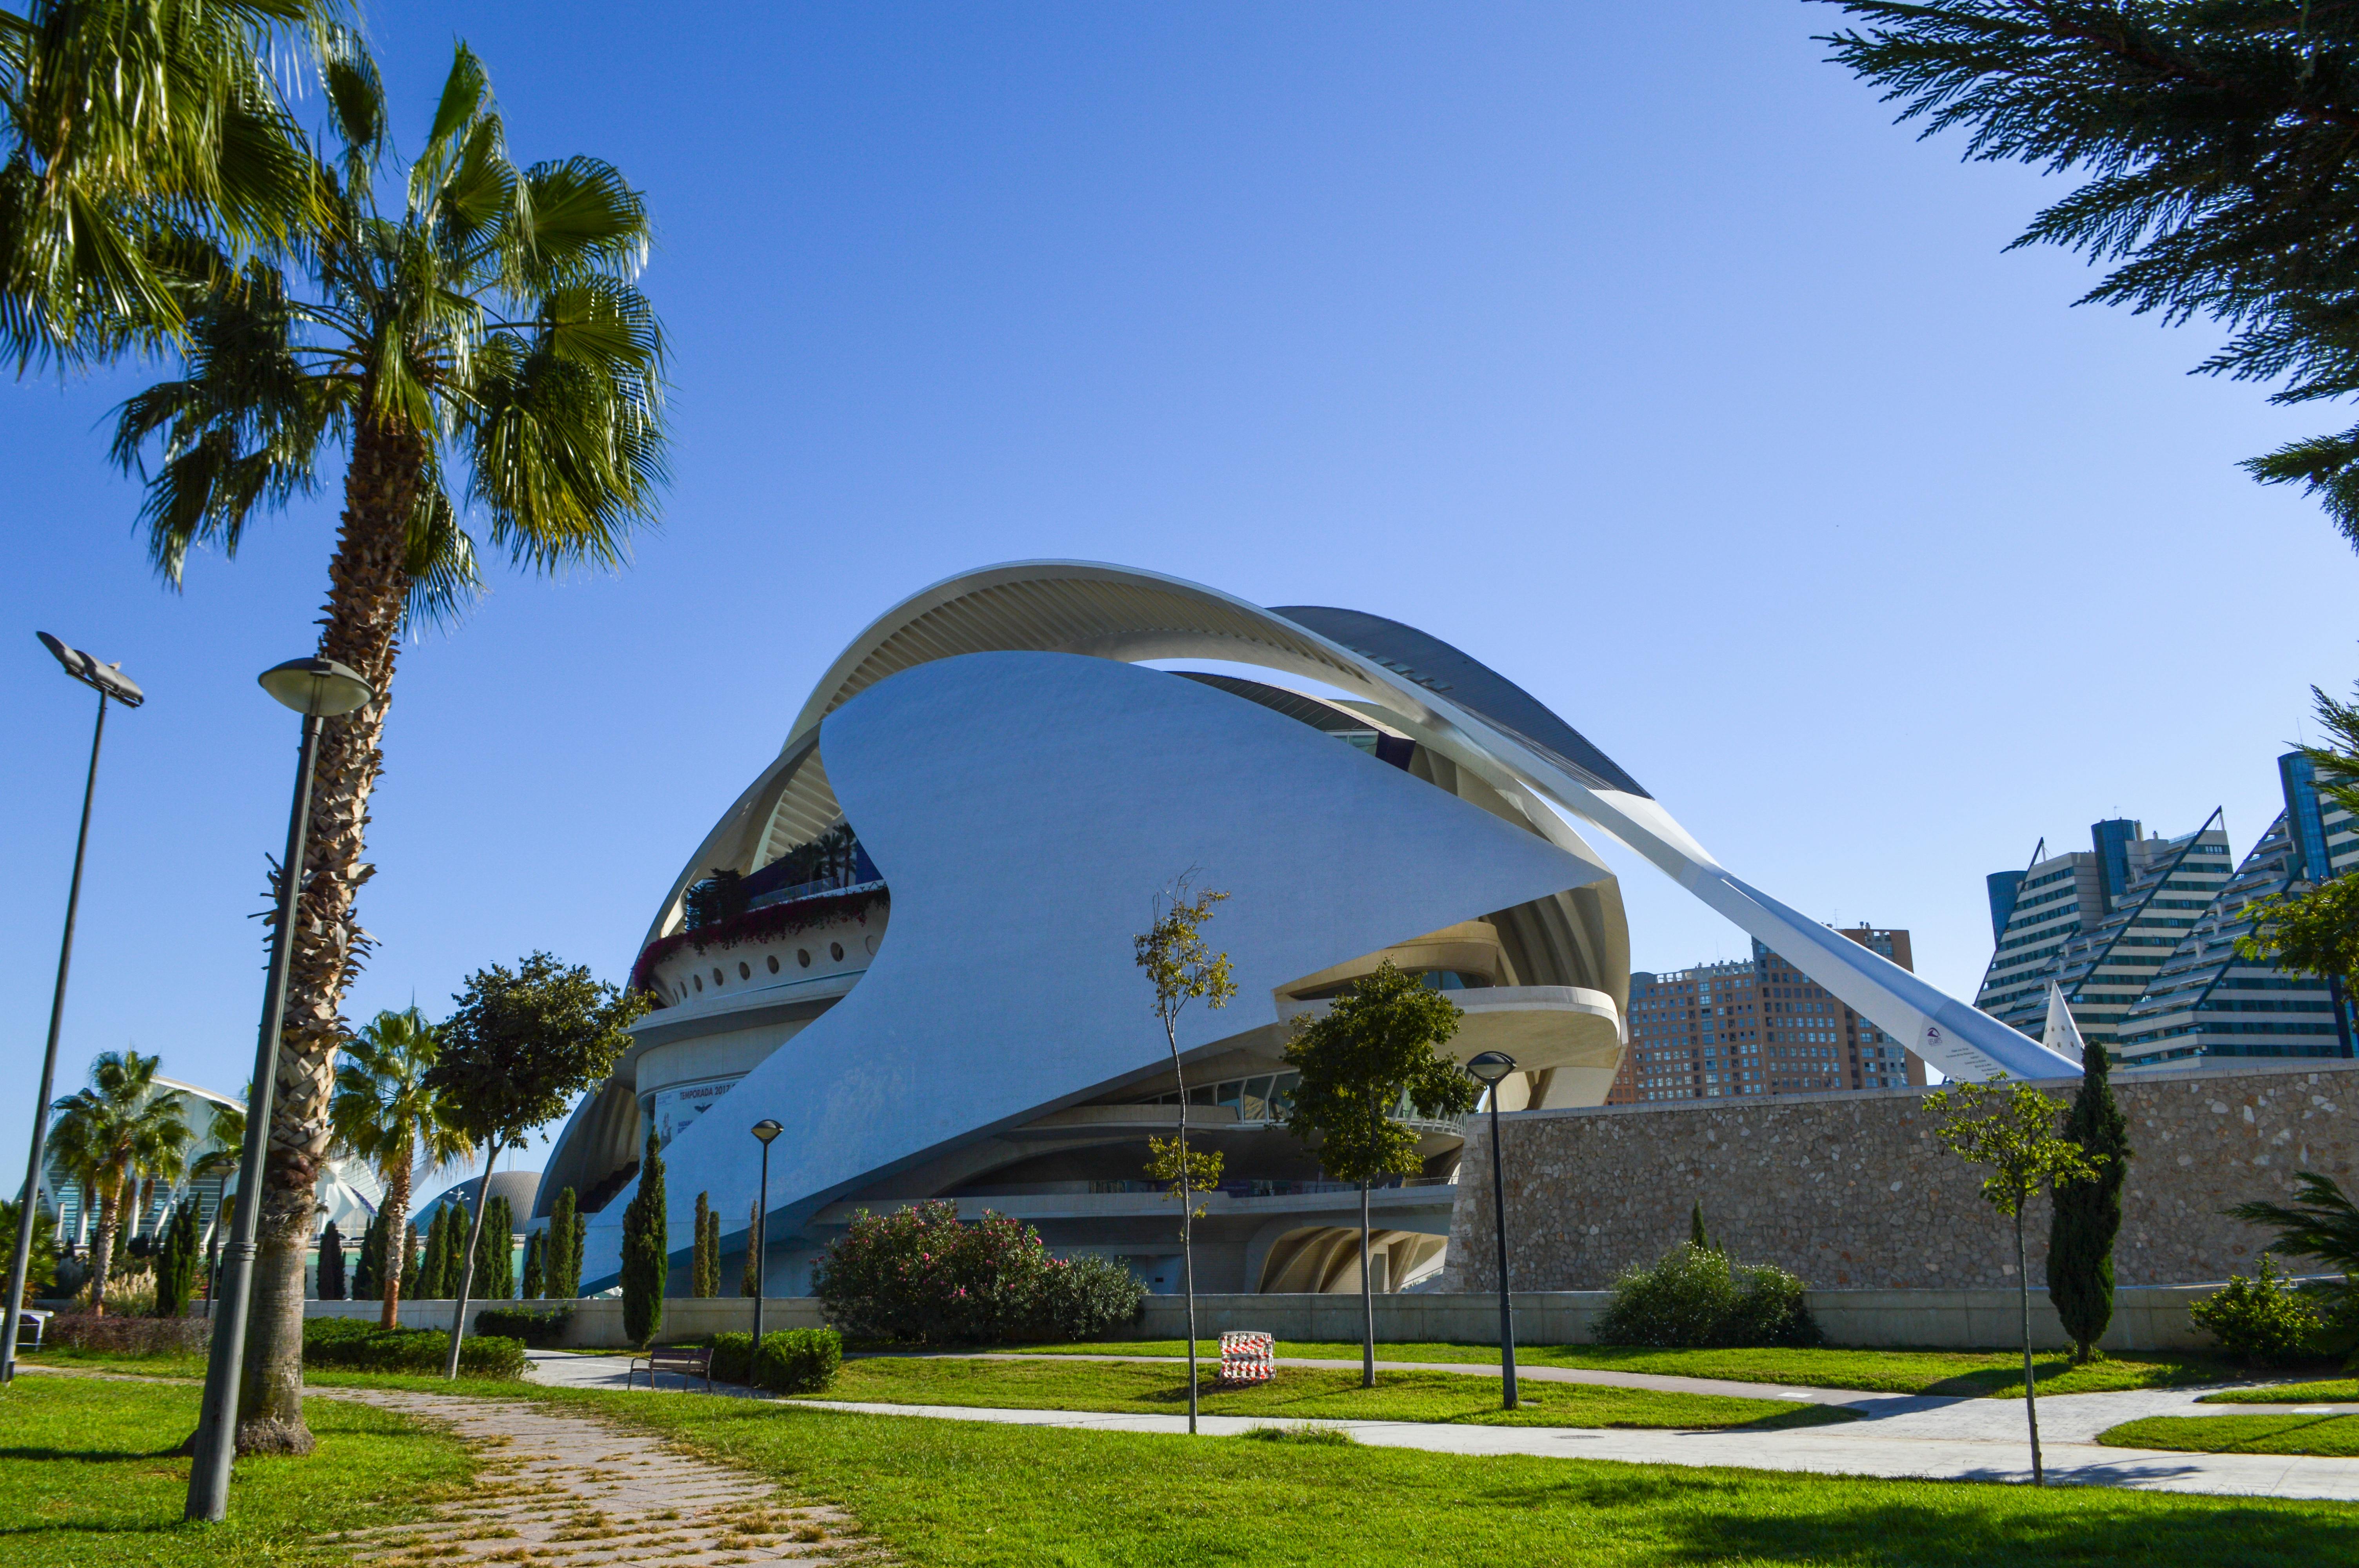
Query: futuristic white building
(910, 940)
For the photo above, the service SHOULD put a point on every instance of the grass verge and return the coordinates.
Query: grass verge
(88, 1478)
(951, 1494)
(2328, 1392)
(2333, 1435)
(1296, 1394)
(1997, 1373)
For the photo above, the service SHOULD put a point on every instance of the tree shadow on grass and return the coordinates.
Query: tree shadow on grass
(1703, 1518)
(89, 1455)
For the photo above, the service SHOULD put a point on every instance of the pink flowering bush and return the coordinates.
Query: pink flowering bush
(920, 1276)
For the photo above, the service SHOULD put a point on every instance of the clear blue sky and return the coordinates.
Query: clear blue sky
(1632, 349)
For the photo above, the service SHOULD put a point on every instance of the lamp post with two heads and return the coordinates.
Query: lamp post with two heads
(764, 1129)
(318, 689)
(1488, 1069)
(107, 680)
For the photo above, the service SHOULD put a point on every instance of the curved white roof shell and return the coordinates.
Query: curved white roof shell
(1440, 696)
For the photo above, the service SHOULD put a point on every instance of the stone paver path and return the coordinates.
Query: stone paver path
(564, 1491)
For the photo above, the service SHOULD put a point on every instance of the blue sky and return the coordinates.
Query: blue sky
(1633, 351)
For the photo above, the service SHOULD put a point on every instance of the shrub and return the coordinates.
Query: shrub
(125, 1335)
(351, 1345)
(2262, 1319)
(797, 1360)
(733, 1357)
(538, 1329)
(920, 1276)
(1695, 1299)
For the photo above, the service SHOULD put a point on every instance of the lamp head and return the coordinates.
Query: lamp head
(766, 1130)
(317, 688)
(107, 680)
(1489, 1068)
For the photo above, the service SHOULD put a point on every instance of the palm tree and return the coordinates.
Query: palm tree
(130, 130)
(226, 1133)
(385, 1112)
(111, 1136)
(484, 320)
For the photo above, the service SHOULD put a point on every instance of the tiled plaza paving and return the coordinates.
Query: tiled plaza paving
(565, 1491)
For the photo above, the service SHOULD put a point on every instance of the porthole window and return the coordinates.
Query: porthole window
(802, 957)
(743, 972)
(835, 951)
(700, 981)
(774, 963)
(872, 946)
(718, 976)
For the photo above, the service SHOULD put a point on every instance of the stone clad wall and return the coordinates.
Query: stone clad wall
(1851, 1191)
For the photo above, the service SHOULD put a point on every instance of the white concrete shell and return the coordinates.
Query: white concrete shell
(1025, 808)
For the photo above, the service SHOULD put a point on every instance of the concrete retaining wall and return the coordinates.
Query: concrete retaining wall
(2145, 1317)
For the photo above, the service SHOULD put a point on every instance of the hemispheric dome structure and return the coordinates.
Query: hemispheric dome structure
(909, 939)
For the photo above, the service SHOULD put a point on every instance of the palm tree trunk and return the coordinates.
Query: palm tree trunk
(369, 583)
(394, 1217)
(101, 1250)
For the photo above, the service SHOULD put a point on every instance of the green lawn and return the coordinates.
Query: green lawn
(954, 1494)
(2288, 1393)
(2330, 1435)
(88, 1478)
(146, 1366)
(971, 1494)
(1296, 1394)
(1998, 1373)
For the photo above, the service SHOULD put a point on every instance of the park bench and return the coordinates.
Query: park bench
(687, 1360)
(29, 1326)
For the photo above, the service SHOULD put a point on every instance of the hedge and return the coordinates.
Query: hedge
(538, 1329)
(792, 1360)
(350, 1344)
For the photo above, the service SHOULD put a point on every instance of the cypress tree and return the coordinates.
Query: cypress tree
(409, 1268)
(750, 1284)
(1696, 1235)
(712, 1252)
(495, 1254)
(564, 1265)
(2087, 1216)
(534, 1263)
(369, 1268)
(704, 1273)
(431, 1268)
(646, 1258)
(331, 1263)
(176, 1263)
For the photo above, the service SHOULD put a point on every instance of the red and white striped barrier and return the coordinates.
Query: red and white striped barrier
(1247, 1356)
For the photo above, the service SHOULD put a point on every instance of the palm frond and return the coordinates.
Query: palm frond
(2322, 1224)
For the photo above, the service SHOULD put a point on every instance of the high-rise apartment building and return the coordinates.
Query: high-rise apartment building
(1756, 1027)
(2141, 933)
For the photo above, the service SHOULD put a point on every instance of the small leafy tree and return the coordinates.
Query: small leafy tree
(2086, 1215)
(647, 1260)
(1377, 1048)
(2015, 1134)
(43, 1268)
(565, 1223)
(536, 1264)
(331, 1263)
(521, 1046)
(1183, 968)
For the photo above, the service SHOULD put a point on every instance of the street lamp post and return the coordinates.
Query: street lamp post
(1488, 1069)
(107, 680)
(318, 689)
(764, 1129)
